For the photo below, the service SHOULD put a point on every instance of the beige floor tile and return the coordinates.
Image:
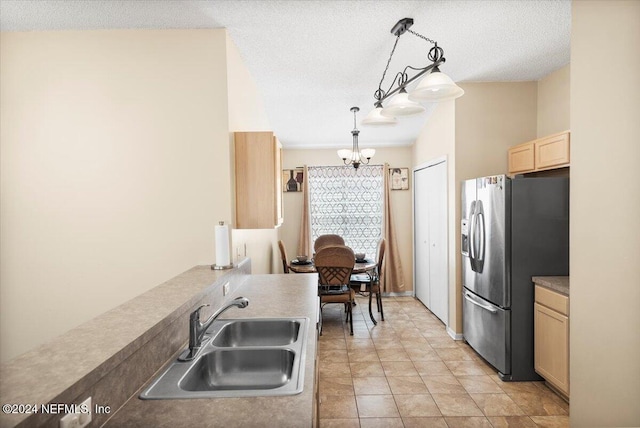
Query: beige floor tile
(332, 370)
(338, 407)
(426, 422)
(511, 422)
(482, 384)
(381, 423)
(336, 386)
(387, 343)
(457, 405)
(358, 343)
(431, 368)
(465, 368)
(497, 405)
(453, 354)
(443, 384)
(467, 422)
(425, 353)
(540, 404)
(377, 406)
(393, 354)
(416, 405)
(417, 343)
(339, 423)
(398, 368)
(407, 385)
(441, 341)
(363, 355)
(376, 385)
(333, 356)
(409, 333)
(367, 369)
(551, 421)
(516, 387)
(326, 343)
(451, 366)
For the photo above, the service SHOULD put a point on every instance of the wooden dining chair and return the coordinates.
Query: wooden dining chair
(324, 240)
(334, 264)
(283, 255)
(372, 280)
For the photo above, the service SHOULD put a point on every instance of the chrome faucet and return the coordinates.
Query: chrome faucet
(197, 329)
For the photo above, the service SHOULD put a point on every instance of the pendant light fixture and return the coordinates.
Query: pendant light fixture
(355, 156)
(434, 87)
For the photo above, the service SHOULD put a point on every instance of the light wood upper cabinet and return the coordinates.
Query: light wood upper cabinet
(258, 178)
(521, 158)
(540, 155)
(552, 151)
(551, 335)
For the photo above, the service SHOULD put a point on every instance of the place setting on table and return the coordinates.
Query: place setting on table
(302, 264)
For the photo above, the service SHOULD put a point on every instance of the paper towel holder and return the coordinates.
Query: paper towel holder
(221, 267)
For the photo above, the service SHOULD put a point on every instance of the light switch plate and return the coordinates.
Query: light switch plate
(225, 289)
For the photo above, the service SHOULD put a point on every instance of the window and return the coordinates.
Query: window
(347, 202)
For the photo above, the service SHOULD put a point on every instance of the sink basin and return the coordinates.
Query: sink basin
(276, 332)
(240, 358)
(238, 369)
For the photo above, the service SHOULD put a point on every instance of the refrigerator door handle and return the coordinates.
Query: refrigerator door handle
(483, 236)
(472, 221)
(485, 307)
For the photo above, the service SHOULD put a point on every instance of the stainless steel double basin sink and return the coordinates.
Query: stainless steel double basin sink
(240, 358)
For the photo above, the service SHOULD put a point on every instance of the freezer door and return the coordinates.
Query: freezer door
(489, 241)
(487, 329)
(468, 196)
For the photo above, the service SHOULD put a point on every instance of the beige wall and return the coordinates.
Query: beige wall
(553, 102)
(247, 113)
(605, 202)
(401, 199)
(112, 144)
(489, 118)
(437, 140)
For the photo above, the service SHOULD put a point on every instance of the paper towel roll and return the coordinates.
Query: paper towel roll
(223, 256)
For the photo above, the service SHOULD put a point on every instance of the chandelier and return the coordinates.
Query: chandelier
(434, 87)
(355, 156)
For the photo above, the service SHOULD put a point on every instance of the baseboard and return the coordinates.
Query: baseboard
(454, 335)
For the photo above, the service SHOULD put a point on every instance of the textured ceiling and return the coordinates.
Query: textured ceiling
(313, 60)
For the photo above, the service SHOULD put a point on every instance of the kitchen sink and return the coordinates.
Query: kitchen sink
(238, 369)
(239, 358)
(277, 332)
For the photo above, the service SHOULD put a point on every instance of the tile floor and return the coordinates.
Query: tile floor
(408, 372)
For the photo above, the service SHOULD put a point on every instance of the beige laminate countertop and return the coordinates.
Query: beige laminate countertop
(559, 284)
(269, 296)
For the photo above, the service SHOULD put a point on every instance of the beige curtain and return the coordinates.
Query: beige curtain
(304, 240)
(393, 278)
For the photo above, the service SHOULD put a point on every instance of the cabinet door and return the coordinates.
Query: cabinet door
(552, 151)
(521, 158)
(256, 180)
(552, 347)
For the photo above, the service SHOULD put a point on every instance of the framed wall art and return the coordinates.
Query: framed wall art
(292, 180)
(399, 178)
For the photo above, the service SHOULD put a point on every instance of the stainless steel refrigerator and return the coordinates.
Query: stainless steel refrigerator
(512, 229)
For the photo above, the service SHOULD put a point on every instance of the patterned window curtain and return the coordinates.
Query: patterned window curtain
(349, 203)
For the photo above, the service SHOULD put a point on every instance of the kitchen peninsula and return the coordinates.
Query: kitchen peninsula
(114, 356)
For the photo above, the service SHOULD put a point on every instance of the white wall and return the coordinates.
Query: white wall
(401, 199)
(605, 202)
(112, 143)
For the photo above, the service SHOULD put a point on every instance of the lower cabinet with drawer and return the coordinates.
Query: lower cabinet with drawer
(551, 324)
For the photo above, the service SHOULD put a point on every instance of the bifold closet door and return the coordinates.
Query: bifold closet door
(430, 238)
